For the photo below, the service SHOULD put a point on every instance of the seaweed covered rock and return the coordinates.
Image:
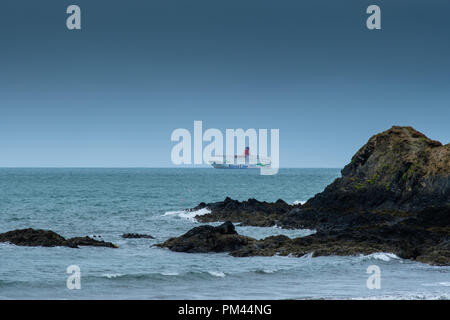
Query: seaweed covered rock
(47, 238)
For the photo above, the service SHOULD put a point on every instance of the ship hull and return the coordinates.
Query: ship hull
(234, 166)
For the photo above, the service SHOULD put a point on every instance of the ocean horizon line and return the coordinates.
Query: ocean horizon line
(98, 167)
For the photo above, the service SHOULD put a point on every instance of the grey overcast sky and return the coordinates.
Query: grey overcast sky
(111, 94)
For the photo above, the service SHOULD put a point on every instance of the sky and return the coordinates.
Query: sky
(110, 94)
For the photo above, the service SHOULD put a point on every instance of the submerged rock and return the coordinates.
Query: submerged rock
(87, 241)
(136, 236)
(47, 238)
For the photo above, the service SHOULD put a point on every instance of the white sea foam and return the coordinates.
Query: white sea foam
(170, 213)
(217, 274)
(412, 296)
(437, 284)
(170, 273)
(6, 244)
(268, 271)
(384, 256)
(112, 275)
(296, 202)
(188, 215)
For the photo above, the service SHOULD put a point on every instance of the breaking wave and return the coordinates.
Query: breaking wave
(188, 215)
(217, 274)
(412, 296)
(383, 256)
(157, 276)
(112, 275)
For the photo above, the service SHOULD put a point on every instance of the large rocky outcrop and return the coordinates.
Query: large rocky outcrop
(394, 196)
(47, 238)
(397, 170)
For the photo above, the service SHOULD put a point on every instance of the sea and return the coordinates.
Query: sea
(106, 203)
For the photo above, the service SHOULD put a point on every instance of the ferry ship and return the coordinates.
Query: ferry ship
(249, 161)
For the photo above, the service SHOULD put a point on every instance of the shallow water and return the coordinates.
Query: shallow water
(109, 202)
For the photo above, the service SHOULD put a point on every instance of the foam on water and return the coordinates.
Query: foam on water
(437, 284)
(217, 274)
(268, 271)
(112, 275)
(188, 215)
(170, 273)
(384, 256)
(413, 296)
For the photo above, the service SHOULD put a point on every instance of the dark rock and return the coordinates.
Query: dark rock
(32, 237)
(136, 236)
(47, 238)
(201, 205)
(226, 228)
(87, 241)
(251, 212)
(223, 238)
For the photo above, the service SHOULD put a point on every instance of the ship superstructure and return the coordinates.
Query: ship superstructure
(245, 161)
